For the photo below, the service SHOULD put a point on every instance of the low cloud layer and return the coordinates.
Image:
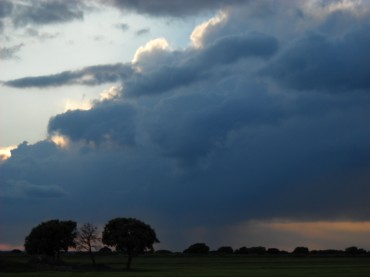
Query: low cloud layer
(248, 123)
(21, 13)
(172, 8)
(91, 76)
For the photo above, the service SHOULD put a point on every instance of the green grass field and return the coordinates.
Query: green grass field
(186, 266)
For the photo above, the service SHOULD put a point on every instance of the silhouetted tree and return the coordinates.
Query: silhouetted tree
(51, 237)
(273, 251)
(301, 251)
(225, 250)
(327, 252)
(197, 248)
(241, 250)
(87, 239)
(130, 236)
(257, 250)
(354, 251)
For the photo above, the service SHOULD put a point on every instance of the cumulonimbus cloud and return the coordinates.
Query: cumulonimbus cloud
(244, 126)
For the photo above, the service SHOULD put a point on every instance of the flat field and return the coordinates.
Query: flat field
(200, 266)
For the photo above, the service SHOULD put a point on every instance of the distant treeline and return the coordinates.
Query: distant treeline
(203, 249)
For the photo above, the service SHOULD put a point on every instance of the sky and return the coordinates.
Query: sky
(241, 123)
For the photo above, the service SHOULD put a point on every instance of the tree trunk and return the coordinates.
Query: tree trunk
(129, 259)
(92, 255)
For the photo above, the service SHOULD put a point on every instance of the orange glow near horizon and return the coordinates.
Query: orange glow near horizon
(324, 230)
(326, 234)
(323, 226)
(9, 247)
(285, 234)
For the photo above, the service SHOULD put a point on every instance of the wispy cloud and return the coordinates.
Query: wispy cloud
(90, 76)
(8, 53)
(142, 32)
(123, 26)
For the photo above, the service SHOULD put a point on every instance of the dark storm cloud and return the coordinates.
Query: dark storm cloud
(26, 157)
(211, 118)
(112, 122)
(172, 8)
(40, 151)
(24, 189)
(253, 155)
(214, 142)
(232, 48)
(197, 65)
(90, 76)
(319, 62)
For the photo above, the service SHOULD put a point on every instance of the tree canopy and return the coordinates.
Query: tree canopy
(301, 250)
(130, 236)
(51, 237)
(225, 250)
(197, 248)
